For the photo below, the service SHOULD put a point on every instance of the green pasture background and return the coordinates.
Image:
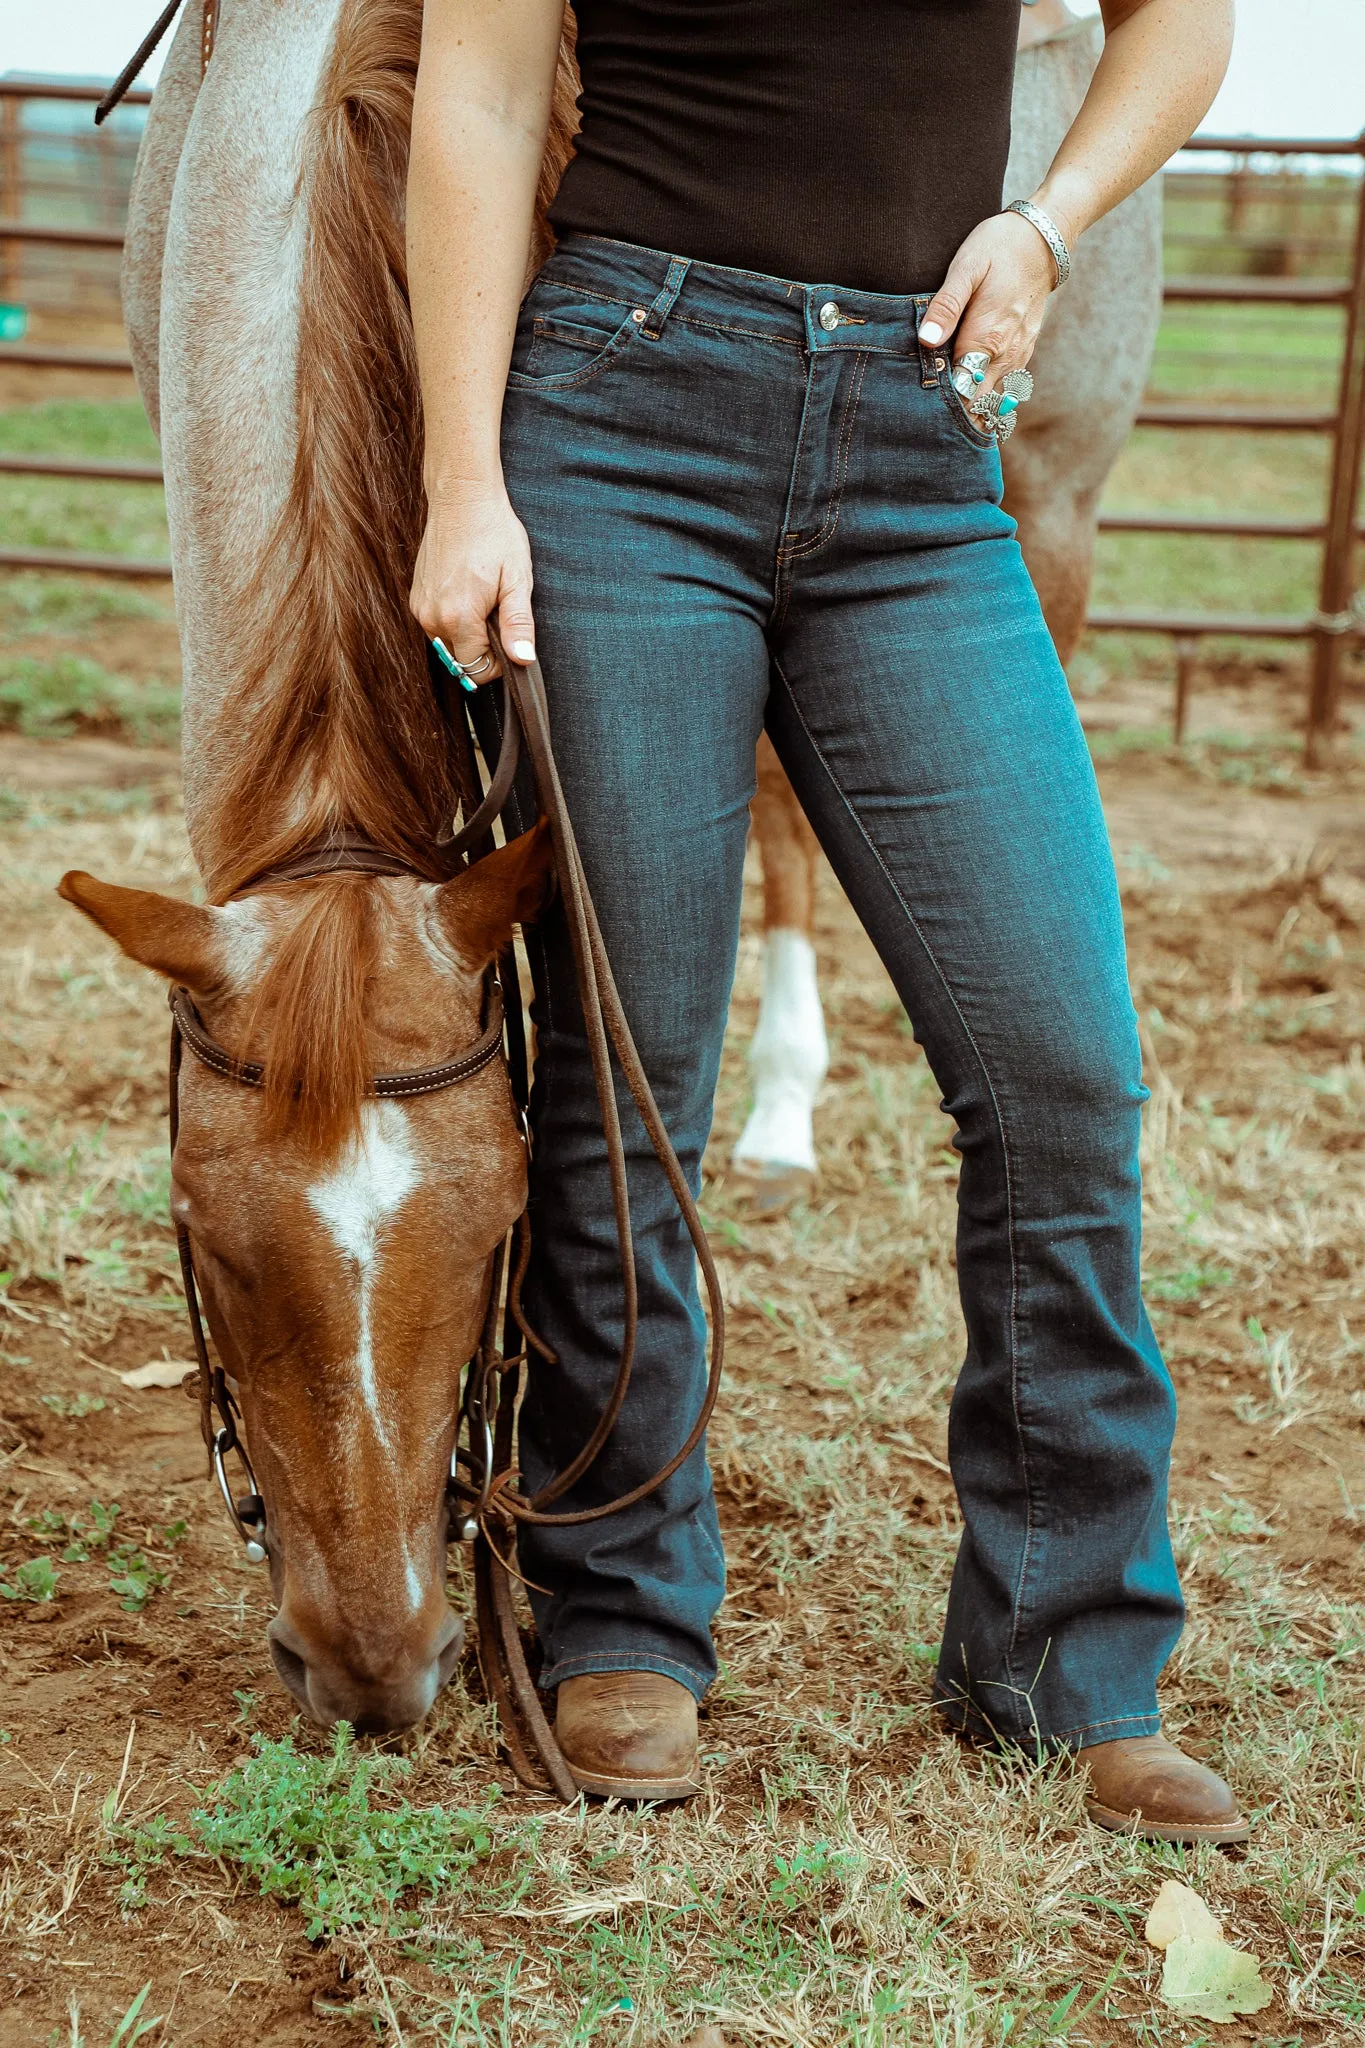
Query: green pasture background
(1241, 354)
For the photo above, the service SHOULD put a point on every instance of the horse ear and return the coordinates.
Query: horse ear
(507, 887)
(181, 940)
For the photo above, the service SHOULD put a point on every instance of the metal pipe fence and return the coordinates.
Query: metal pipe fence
(1337, 623)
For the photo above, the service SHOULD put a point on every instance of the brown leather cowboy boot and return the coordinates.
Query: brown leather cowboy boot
(629, 1735)
(1143, 1785)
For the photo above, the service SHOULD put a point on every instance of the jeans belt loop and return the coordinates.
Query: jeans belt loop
(678, 268)
(932, 361)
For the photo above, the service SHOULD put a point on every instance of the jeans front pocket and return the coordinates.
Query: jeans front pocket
(962, 418)
(565, 337)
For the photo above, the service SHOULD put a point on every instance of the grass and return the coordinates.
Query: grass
(620, 1907)
(134, 1572)
(305, 1829)
(86, 1217)
(99, 518)
(41, 604)
(850, 1906)
(1239, 354)
(35, 1580)
(1230, 759)
(65, 693)
(851, 1879)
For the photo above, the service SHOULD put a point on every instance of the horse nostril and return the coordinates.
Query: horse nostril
(448, 1656)
(287, 1661)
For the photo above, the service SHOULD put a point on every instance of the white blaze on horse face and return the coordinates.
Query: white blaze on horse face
(788, 1058)
(361, 1194)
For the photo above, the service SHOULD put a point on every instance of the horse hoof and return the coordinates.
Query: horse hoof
(773, 1188)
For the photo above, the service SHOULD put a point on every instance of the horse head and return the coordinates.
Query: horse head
(343, 1243)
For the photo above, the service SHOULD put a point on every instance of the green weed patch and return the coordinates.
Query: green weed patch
(307, 1830)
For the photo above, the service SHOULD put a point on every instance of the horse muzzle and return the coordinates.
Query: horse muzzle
(329, 1687)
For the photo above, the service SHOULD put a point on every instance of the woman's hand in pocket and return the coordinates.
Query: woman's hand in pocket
(994, 296)
(474, 563)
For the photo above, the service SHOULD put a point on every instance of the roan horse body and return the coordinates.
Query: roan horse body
(1089, 370)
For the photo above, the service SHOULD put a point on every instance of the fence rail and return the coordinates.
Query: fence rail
(59, 237)
(1335, 624)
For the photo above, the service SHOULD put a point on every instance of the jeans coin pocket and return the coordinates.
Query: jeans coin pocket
(561, 349)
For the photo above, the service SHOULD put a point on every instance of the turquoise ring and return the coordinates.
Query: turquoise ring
(453, 667)
(995, 410)
(970, 370)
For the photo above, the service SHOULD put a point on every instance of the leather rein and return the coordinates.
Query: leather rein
(208, 29)
(484, 1498)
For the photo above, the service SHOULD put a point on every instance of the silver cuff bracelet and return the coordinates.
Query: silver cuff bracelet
(1050, 232)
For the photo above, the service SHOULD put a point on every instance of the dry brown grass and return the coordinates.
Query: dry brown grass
(851, 1876)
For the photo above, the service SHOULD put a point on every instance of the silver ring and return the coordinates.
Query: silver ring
(479, 667)
(970, 370)
(996, 410)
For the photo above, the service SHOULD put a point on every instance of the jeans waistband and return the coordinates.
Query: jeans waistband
(815, 317)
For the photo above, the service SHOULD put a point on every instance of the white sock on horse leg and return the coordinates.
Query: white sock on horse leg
(788, 1058)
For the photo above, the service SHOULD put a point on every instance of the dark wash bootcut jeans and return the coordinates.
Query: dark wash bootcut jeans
(754, 502)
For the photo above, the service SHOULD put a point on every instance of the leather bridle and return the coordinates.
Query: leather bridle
(216, 1395)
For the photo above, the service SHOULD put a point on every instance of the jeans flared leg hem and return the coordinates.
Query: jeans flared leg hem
(696, 1682)
(967, 1719)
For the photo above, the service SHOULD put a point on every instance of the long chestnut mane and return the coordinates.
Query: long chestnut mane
(335, 722)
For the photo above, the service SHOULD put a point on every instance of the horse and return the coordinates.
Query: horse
(343, 1240)
(1089, 371)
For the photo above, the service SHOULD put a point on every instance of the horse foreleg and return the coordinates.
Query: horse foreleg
(790, 1053)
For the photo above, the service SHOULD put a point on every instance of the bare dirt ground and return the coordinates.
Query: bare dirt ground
(971, 1887)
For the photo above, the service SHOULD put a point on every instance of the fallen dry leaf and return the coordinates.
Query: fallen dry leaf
(158, 1372)
(1203, 1977)
(1176, 1910)
(1206, 1979)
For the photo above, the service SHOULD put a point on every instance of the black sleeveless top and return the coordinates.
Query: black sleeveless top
(851, 142)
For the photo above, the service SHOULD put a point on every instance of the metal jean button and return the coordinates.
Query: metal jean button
(828, 316)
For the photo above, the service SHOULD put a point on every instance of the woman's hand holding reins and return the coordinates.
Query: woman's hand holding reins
(474, 562)
(994, 296)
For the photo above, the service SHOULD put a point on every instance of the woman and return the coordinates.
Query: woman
(743, 430)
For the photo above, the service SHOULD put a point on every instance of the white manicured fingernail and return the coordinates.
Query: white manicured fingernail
(931, 332)
(524, 650)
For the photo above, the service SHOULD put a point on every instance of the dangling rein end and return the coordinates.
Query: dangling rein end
(135, 63)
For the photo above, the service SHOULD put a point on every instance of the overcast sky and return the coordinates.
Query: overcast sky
(1299, 65)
